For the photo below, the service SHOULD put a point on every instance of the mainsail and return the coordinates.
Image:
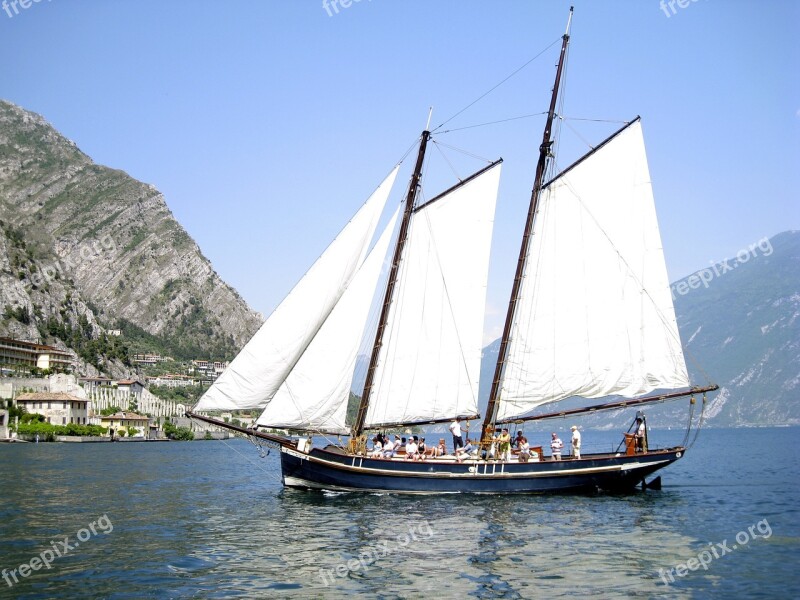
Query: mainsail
(315, 394)
(257, 372)
(429, 363)
(595, 314)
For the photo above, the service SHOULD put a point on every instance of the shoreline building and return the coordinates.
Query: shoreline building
(18, 353)
(118, 423)
(57, 408)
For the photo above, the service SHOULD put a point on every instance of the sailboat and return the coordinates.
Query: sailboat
(590, 316)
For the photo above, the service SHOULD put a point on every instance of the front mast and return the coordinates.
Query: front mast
(411, 197)
(541, 167)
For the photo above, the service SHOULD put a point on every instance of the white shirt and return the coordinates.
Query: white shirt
(455, 428)
(411, 448)
(576, 439)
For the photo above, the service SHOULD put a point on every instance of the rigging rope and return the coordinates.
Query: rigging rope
(700, 423)
(254, 463)
(539, 114)
(449, 164)
(482, 96)
(692, 404)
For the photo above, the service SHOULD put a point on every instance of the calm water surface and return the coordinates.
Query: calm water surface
(211, 520)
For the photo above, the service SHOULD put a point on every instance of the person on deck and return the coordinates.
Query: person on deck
(556, 445)
(455, 429)
(377, 448)
(411, 449)
(504, 445)
(391, 448)
(518, 440)
(641, 435)
(576, 442)
(524, 449)
(465, 452)
(440, 449)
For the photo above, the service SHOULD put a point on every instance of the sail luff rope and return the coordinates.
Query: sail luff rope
(482, 96)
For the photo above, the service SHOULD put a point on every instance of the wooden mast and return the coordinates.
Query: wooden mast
(541, 166)
(411, 197)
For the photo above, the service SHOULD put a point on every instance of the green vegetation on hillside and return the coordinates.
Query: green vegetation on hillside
(184, 395)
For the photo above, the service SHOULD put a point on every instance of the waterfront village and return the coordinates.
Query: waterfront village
(42, 399)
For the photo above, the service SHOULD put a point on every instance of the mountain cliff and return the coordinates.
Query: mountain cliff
(740, 324)
(85, 248)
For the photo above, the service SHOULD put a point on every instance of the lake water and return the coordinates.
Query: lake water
(211, 520)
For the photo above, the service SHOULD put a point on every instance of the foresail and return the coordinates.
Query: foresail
(315, 394)
(261, 367)
(595, 315)
(429, 363)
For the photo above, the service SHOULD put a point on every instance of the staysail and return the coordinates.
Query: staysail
(314, 396)
(429, 363)
(595, 314)
(257, 372)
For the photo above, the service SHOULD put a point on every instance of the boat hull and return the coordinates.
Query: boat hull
(336, 471)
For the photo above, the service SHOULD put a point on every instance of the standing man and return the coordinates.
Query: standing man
(504, 445)
(455, 429)
(576, 442)
(556, 445)
(641, 435)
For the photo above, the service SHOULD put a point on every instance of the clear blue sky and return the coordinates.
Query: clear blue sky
(267, 123)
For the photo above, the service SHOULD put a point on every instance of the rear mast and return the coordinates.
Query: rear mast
(541, 167)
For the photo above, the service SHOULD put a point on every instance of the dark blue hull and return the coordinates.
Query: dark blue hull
(334, 470)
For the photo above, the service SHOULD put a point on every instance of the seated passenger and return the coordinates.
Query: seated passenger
(466, 452)
(411, 449)
(422, 449)
(391, 448)
(524, 450)
(377, 448)
(440, 449)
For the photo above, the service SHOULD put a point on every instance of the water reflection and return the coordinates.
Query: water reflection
(199, 520)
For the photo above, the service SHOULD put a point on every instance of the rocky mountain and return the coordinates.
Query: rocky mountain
(85, 249)
(740, 324)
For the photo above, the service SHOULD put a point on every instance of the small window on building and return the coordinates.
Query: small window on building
(63, 420)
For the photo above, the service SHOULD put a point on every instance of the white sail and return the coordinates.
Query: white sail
(260, 368)
(595, 315)
(429, 364)
(315, 394)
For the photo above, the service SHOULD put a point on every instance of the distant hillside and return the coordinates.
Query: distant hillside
(740, 322)
(85, 248)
